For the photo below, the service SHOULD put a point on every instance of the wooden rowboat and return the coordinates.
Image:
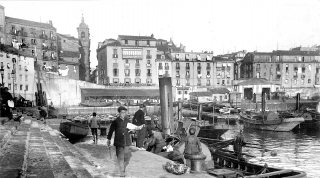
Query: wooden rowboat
(74, 130)
(223, 160)
(97, 104)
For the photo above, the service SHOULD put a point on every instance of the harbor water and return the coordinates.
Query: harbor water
(298, 149)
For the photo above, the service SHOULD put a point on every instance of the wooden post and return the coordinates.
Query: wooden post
(180, 111)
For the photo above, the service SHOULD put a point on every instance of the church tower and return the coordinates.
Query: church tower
(84, 40)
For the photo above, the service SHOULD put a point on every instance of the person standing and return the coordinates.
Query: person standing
(238, 143)
(192, 145)
(43, 114)
(94, 124)
(122, 139)
(6, 96)
(138, 120)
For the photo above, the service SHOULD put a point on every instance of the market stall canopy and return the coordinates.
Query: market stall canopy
(120, 92)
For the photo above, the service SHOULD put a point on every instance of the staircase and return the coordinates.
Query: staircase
(36, 150)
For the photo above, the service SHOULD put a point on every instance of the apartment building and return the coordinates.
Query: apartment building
(290, 69)
(128, 60)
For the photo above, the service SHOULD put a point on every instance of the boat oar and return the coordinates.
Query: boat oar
(265, 149)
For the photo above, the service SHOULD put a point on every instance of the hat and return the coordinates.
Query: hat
(120, 108)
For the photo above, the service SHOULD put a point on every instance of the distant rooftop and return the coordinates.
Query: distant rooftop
(29, 23)
(127, 37)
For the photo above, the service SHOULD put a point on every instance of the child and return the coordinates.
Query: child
(192, 145)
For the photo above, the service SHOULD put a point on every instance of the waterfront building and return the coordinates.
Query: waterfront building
(290, 69)
(34, 38)
(129, 60)
(212, 95)
(18, 72)
(223, 72)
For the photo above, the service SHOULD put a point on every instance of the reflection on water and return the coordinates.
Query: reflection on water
(298, 149)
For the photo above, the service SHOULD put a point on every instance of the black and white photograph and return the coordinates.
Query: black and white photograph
(160, 89)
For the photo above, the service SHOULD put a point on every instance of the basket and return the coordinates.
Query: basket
(175, 168)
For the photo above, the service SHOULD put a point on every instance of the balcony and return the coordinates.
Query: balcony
(137, 65)
(208, 76)
(149, 56)
(160, 67)
(177, 76)
(149, 74)
(199, 67)
(43, 36)
(115, 55)
(199, 75)
(208, 68)
(258, 69)
(166, 67)
(127, 74)
(149, 65)
(126, 65)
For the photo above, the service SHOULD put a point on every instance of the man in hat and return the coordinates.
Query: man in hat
(138, 120)
(122, 139)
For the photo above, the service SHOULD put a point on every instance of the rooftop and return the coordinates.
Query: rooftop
(127, 37)
(29, 23)
(120, 92)
(219, 90)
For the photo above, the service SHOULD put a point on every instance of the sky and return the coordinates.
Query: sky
(221, 26)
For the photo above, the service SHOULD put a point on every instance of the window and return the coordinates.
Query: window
(179, 92)
(178, 82)
(149, 80)
(258, 74)
(309, 80)
(208, 73)
(15, 86)
(43, 32)
(222, 82)
(115, 51)
(218, 82)
(127, 61)
(51, 34)
(148, 61)
(148, 43)
(115, 72)
(208, 82)
(295, 81)
(138, 80)
(9, 76)
(220, 98)
(187, 66)
(115, 80)
(177, 65)
(26, 88)
(126, 42)
(177, 73)
(21, 86)
(258, 67)
(9, 86)
(228, 81)
(127, 72)
(303, 69)
(137, 43)
(185, 92)
(83, 34)
(148, 72)
(302, 81)
(52, 55)
(137, 61)
(137, 72)
(20, 68)
(20, 77)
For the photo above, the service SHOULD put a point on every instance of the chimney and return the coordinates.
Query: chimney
(50, 22)
(152, 36)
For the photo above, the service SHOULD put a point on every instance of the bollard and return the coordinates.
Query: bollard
(103, 131)
(197, 162)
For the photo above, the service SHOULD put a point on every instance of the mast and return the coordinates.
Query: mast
(39, 87)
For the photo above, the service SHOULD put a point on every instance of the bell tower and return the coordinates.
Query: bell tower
(84, 40)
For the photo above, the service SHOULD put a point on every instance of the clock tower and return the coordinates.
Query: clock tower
(84, 41)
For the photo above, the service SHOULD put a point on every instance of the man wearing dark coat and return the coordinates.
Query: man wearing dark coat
(6, 96)
(138, 119)
(122, 139)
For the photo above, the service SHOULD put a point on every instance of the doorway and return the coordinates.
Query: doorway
(248, 93)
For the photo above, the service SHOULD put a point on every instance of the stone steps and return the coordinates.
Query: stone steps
(36, 150)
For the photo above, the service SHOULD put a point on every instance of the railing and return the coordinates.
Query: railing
(166, 68)
(188, 68)
(149, 74)
(148, 65)
(199, 67)
(208, 68)
(126, 65)
(115, 55)
(137, 65)
(177, 76)
(160, 67)
(177, 67)
(127, 74)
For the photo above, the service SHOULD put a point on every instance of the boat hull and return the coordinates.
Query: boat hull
(249, 170)
(96, 105)
(213, 131)
(287, 124)
(74, 130)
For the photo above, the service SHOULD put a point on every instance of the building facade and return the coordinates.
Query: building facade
(128, 60)
(290, 69)
(69, 56)
(18, 74)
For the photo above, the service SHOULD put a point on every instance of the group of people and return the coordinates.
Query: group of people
(123, 139)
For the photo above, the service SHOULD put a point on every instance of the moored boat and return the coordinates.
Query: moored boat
(104, 104)
(223, 160)
(268, 120)
(74, 130)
